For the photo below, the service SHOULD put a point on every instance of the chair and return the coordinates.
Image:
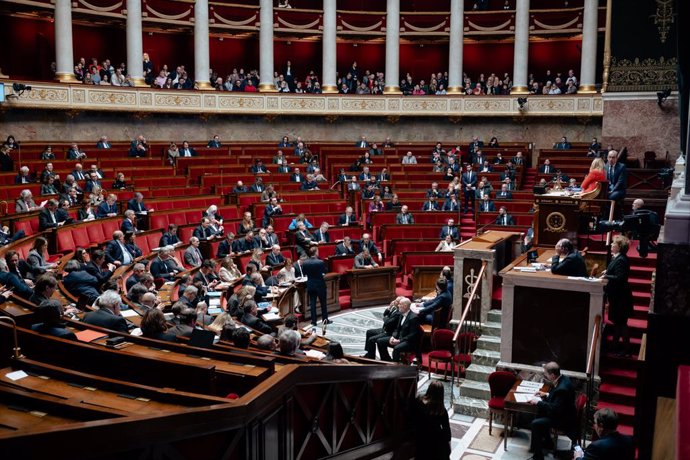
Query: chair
(500, 383)
(442, 350)
(466, 344)
(576, 436)
(436, 323)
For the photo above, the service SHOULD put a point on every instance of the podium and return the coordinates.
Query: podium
(372, 286)
(332, 296)
(557, 218)
(548, 317)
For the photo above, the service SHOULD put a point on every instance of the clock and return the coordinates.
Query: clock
(555, 222)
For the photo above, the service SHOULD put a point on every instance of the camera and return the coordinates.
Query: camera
(644, 225)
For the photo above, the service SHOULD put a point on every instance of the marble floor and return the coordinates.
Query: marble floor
(470, 435)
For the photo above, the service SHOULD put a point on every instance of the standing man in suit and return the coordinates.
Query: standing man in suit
(567, 261)
(451, 230)
(617, 175)
(443, 300)
(315, 269)
(108, 313)
(475, 145)
(519, 160)
(273, 208)
(405, 336)
(556, 409)
(610, 443)
(469, 185)
(504, 218)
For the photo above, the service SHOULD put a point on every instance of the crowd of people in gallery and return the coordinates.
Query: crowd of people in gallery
(291, 80)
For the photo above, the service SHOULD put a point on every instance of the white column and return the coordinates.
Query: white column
(589, 47)
(135, 45)
(266, 84)
(392, 47)
(521, 51)
(328, 60)
(201, 53)
(64, 55)
(455, 47)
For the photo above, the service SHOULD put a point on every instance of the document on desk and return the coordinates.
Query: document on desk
(524, 397)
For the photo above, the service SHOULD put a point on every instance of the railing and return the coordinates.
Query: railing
(470, 325)
(591, 361)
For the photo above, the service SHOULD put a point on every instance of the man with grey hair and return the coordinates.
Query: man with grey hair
(137, 271)
(116, 251)
(192, 255)
(108, 313)
(288, 343)
(23, 177)
(405, 336)
(129, 224)
(164, 266)
(26, 202)
(49, 217)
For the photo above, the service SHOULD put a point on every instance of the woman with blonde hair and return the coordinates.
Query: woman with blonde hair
(596, 174)
(228, 270)
(221, 321)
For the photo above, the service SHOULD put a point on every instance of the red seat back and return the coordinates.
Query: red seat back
(500, 383)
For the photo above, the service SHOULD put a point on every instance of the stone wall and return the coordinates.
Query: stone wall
(636, 121)
(87, 127)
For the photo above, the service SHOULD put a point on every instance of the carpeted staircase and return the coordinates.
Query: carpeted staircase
(619, 374)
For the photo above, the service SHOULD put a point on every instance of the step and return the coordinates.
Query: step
(486, 357)
(611, 361)
(491, 328)
(494, 316)
(617, 394)
(626, 414)
(478, 390)
(623, 377)
(479, 373)
(471, 406)
(488, 342)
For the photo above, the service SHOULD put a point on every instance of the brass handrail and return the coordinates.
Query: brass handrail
(473, 294)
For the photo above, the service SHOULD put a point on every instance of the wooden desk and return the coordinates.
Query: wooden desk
(372, 286)
(512, 407)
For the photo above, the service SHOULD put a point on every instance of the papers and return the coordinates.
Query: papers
(525, 269)
(315, 354)
(524, 398)
(16, 375)
(215, 311)
(529, 384)
(270, 316)
(128, 313)
(584, 278)
(43, 203)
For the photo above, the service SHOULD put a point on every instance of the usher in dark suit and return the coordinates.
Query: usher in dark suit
(557, 410)
(407, 331)
(572, 265)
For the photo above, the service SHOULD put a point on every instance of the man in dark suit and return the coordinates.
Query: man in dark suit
(108, 208)
(487, 205)
(519, 160)
(475, 145)
(362, 142)
(108, 313)
(240, 188)
(443, 300)
(214, 143)
(344, 248)
(251, 319)
(95, 267)
(452, 203)
(469, 185)
(504, 194)
(137, 205)
(555, 409)
(139, 148)
(367, 243)
(315, 269)
(567, 261)
(363, 260)
(431, 204)
(562, 145)
(451, 230)
(49, 216)
(103, 143)
(302, 239)
(404, 217)
(204, 231)
(14, 282)
(129, 224)
(23, 176)
(546, 168)
(321, 235)
(391, 318)
(297, 176)
(164, 266)
(273, 208)
(49, 316)
(74, 153)
(258, 186)
(405, 336)
(348, 218)
(610, 443)
(504, 218)
(79, 173)
(225, 247)
(275, 257)
(617, 175)
(169, 238)
(248, 243)
(92, 182)
(116, 251)
(187, 150)
(79, 283)
(259, 167)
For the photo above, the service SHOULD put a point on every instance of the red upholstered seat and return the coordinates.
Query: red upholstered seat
(500, 383)
(442, 350)
(440, 354)
(95, 232)
(81, 237)
(24, 225)
(177, 218)
(497, 403)
(65, 243)
(110, 226)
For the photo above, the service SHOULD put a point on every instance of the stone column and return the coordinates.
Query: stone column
(201, 52)
(328, 85)
(589, 48)
(521, 52)
(266, 84)
(455, 48)
(392, 47)
(135, 46)
(64, 55)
